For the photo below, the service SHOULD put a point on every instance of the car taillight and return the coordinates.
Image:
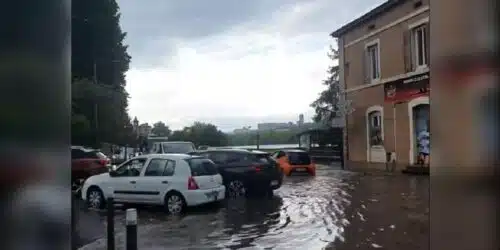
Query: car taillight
(104, 162)
(192, 185)
(257, 168)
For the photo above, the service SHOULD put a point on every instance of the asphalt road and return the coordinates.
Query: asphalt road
(334, 210)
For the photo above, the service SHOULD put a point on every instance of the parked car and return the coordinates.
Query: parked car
(86, 162)
(294, 161)
(172, 147)
(175, 181)
(245, 171)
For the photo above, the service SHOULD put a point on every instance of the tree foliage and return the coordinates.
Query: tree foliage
(99, 62)
(160, 129)
(201, 134)
(326, 105)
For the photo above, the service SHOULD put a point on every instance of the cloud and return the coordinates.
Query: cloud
(230, 64)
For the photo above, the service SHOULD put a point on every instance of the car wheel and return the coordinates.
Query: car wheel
(236, 188)
(175, 203)
(95, 198)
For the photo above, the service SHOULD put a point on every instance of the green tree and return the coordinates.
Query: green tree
(326, 105)
(160, 129)
(201, 134)
(99, 63)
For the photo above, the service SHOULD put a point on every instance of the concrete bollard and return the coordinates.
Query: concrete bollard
(131, 229)
(110, 215)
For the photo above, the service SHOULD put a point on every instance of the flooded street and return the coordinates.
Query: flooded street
(334, 210)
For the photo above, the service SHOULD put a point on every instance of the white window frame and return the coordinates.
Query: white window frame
(415, 27)
(368, 45)
(380, 110)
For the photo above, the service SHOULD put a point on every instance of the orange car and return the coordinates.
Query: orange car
(294, 161)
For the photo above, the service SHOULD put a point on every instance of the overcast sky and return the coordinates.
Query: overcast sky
(233, 63)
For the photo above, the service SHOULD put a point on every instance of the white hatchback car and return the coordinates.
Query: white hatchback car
(173, 180)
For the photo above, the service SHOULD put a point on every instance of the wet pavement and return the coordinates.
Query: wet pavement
(334, 210)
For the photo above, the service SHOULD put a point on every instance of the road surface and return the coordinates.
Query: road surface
(334, 210)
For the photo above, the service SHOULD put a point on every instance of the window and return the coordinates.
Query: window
(234, 157)
(77, 154)
(275, 154)
(169, 168)
(281, 154)
(175, 148)
(160, 167)
(299, 158)
(218, 157)
(202, 167)
(131, 168)
(373, 61)
(375, 128)
(419, 46)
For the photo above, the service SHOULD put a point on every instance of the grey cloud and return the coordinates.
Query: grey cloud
(153, 25)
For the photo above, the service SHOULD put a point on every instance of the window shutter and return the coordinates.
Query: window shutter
(427, 44)
(407, 51)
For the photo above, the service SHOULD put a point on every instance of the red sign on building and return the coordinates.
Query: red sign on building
(407, 88)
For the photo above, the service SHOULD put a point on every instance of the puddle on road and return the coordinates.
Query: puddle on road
(305, 213)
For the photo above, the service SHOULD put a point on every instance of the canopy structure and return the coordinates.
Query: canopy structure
(320, 137)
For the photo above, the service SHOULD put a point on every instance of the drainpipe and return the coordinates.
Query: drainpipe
(394, 129)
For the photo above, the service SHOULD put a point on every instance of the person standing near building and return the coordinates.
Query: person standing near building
(423, 146)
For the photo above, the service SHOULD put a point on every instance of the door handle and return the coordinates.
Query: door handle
(133, 182)
(164, 182)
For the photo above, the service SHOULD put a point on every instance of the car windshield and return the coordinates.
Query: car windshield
(178, 148)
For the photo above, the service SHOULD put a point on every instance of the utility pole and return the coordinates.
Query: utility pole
(96, 123)
(258, 139)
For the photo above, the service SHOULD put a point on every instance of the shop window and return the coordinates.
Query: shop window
(375, 128)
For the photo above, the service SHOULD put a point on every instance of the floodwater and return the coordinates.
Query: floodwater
(334, 210)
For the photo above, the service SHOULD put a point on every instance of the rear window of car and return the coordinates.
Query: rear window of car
(299, 158)
(100, 155)
(87, 154)
(176, 148)
(262, 158)
(202, 166)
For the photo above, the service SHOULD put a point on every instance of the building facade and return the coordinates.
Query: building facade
(384, 70)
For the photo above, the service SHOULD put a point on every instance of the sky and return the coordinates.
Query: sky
(228, 62)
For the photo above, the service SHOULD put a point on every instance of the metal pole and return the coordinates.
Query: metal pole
(131, 229)
(394, 127)
(111, 224)
(73, 223)
(96, 123)
(258, 139)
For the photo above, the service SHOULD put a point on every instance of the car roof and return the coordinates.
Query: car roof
(187, 142)
(84, 148)
(233, 150)
(167, 156)
(236, 150)
(294, 150)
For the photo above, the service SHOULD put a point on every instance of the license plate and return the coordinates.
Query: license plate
(300, 169)
(212, 195)
(274, 183)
